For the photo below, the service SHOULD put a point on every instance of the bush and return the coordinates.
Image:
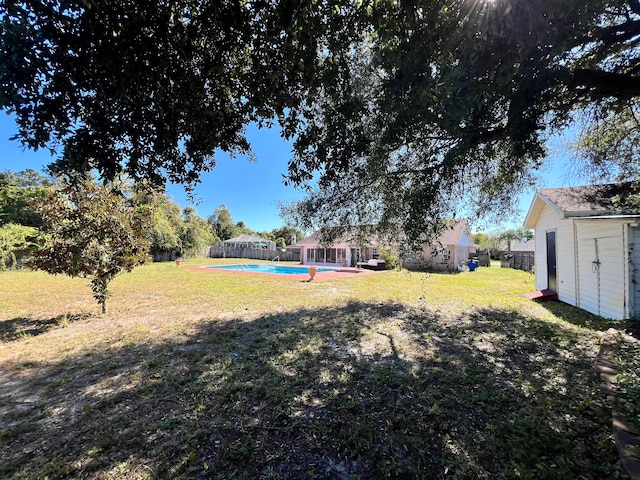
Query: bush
(390, 256)
(16, 241)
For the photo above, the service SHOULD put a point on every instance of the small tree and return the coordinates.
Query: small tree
(390, 256)
(90, 231)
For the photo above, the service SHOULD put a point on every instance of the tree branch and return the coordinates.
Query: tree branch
(602, 84)
(617, 34)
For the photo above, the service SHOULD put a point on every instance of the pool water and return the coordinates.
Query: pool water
(269, 268)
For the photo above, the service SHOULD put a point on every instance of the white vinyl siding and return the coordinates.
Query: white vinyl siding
(587, 275)
(601, 268)
(611, 279)
(634, 271)
(597, 259)
(550, 220)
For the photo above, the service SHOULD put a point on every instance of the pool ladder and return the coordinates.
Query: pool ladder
(275, 258)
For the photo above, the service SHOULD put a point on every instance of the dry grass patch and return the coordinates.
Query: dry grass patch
(206, 374)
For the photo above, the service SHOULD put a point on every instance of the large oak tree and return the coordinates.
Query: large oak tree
(403, 107)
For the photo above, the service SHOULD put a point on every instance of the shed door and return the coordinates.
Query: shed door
(634, 269)
(611, 278)
(601, 276)
(552, 284)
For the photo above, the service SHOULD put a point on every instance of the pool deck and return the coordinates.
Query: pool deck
(340, 272)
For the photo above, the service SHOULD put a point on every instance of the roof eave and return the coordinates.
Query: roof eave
(539, 201)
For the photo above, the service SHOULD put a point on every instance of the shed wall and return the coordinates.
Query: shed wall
(634, 271)
(550, 220)
(602, 273)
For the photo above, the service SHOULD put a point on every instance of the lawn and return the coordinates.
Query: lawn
(202, 374)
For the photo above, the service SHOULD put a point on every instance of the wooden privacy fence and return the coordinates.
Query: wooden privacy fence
(253, 253)
(483, 258)
(519, 261)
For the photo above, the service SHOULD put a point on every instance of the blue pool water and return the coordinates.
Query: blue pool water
(269, 268)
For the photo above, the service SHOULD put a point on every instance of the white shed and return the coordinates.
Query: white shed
(586, 250)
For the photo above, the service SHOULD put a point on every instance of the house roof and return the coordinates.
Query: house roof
(582, 201)
(524, 245)
(346, 239)
(245, 238)
(457, 234)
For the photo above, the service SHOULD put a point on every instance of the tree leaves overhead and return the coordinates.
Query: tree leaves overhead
(453, 101)
(157, 86)
(607, 149)
(399, 109)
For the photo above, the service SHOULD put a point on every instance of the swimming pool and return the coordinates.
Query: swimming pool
(268, 268)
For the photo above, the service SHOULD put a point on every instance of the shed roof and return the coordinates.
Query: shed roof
(581, 201)
(587, 198)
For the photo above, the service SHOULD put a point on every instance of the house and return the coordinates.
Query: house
(346, 251)
(450, 250)
(586, 250)
(526, 246)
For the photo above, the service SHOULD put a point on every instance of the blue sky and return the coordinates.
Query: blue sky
(250, 190)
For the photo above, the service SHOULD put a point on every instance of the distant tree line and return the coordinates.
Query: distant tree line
(168, 227)
(97, 230)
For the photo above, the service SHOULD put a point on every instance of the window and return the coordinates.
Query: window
(341, 255)
(331, 255)
(443, 256)
(311, 255)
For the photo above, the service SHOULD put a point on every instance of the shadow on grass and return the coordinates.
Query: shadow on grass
(582, 318)
(362, 391)
(17, 328)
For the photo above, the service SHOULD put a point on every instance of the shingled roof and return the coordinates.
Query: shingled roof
(451, 235)
(582, 201)
(588, 198)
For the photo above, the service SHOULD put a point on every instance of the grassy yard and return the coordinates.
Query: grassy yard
(200, 374)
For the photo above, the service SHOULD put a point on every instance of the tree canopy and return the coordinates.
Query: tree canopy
(607, 148)
(90, 231)
(399, 110)
(222, 223)
(17, 189)
(196, 232)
